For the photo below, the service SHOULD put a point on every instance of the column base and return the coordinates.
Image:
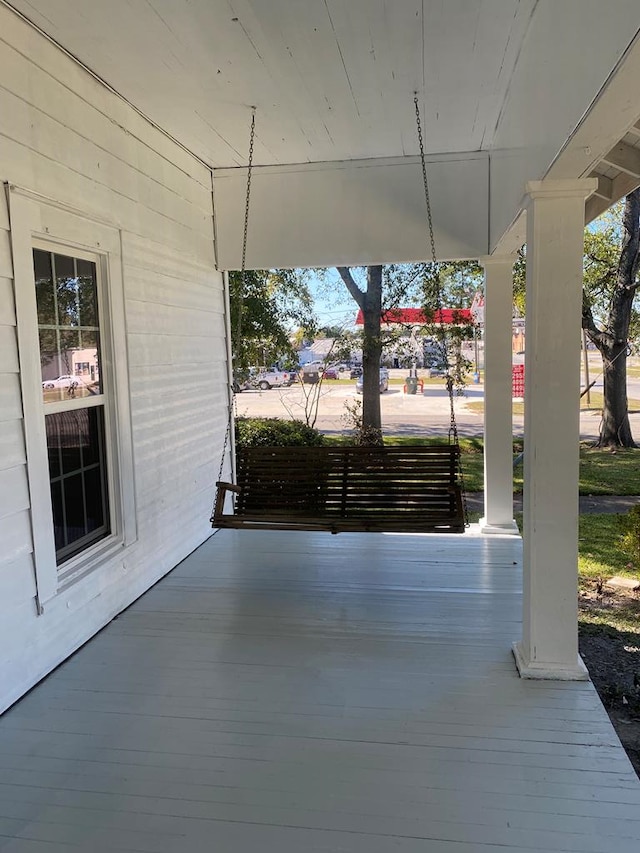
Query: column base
(551, 671)
(508, 529)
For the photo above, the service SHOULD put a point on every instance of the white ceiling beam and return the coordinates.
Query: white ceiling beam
(620, 187)
(349, 213)
(605, 187)
(624, 157)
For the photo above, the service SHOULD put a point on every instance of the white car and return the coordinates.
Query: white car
(66, 381)
(273, 379)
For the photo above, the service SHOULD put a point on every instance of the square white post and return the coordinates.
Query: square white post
(498, 411)
(555, 244)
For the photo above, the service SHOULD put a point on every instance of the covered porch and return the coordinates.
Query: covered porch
(297, 692)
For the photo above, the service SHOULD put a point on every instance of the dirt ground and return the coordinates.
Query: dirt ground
(613, 659)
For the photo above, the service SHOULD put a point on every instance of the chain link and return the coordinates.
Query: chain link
(245, 232)
(233, 403)
(453, 427)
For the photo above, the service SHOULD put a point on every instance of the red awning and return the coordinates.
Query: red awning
(415, 316)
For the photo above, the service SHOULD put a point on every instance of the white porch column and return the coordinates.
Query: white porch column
(498, 412)
(555, 229)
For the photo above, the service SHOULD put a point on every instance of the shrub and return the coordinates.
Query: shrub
(273, 432)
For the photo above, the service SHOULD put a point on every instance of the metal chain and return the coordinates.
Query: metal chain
(245, 232)
(426, 186)
(453, 427)
(233, 405)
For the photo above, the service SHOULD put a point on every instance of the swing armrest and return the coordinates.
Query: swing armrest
(218, 510)
(228, 487)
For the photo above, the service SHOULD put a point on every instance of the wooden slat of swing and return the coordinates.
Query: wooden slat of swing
(339, 489)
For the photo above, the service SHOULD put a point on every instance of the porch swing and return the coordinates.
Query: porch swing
(347, 489)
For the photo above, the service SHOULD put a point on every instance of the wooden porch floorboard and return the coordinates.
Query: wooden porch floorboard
(283, 692)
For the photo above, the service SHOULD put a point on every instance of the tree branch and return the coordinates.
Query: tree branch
(596, 335)
(352, 287)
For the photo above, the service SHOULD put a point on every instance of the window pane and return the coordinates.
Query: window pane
(67, 301)
(93, 443)
(86, 362)
(58, 515)
(44, 288)
(93, 488)
(66, 290)
(74, 434)
(87, 294)
(78, 474)
(52, 426)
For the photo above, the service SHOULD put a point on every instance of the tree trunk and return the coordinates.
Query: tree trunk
(615, 430)
(612, 339)
(371, 355)
(370, 303)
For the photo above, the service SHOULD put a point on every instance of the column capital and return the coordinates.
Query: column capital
(580, 188)
(497, 260)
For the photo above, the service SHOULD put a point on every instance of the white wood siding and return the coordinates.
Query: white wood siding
(66, 137)
(17, 583)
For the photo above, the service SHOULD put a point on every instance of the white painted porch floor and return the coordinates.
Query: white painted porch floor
(284, 693)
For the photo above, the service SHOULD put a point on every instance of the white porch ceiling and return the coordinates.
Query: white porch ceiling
(332, 80)
(538, 88)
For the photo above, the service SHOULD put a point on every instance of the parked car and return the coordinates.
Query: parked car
(272, 378)
(330, 373)
(65, 381)
(384, 381)
(355, 372)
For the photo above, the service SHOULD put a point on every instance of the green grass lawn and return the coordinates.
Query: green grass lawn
(600, 554)
(594, 405)
(600, 557)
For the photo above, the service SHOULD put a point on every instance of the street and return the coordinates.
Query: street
(426, 414)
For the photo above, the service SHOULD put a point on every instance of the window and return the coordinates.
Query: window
(74, 378)
(68, 304)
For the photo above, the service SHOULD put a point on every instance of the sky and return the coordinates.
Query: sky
(333, 304)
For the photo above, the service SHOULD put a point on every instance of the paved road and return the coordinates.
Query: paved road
(426, 414)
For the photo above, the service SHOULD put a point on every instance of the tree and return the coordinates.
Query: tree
(388, 288)
(611, 265)
(451, 284)
(370, 303)
(266, 306)
(609, 316)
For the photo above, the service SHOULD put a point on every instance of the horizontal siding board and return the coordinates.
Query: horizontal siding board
(150, 286)
(31, 169)
(149, 255)
(12, 450)
(57, 142)
(7, 302)
(4, 213)
(10, 397)
(15, 535)
(174, 350)
(17, 581)
(146, 318)
(6, 266)
(48, 96)
(8, 349)
(44, 55)
(14, 491)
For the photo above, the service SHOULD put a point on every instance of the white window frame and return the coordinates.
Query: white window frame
(38, 223)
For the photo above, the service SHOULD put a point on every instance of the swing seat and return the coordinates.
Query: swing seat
(345, 489)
